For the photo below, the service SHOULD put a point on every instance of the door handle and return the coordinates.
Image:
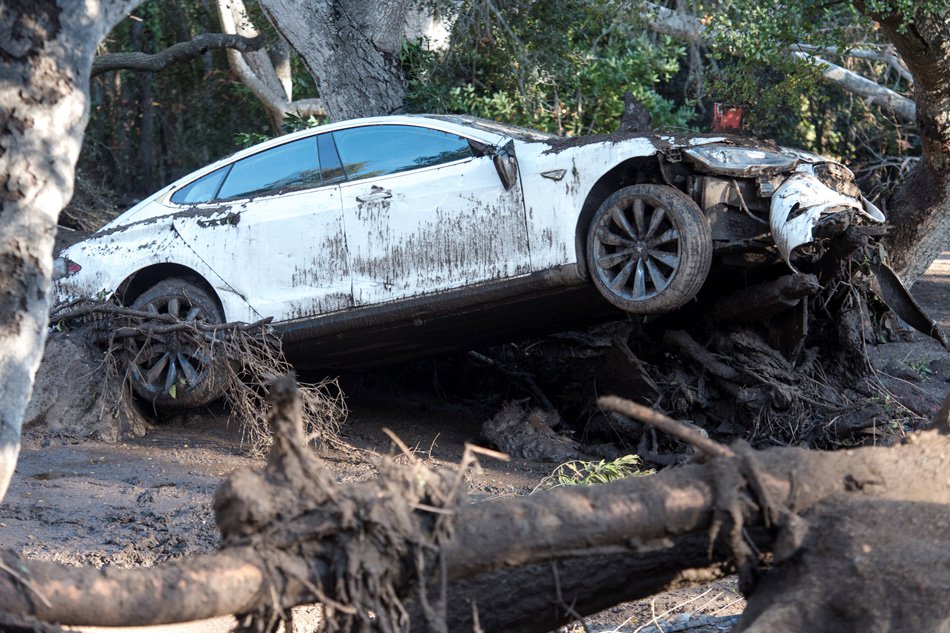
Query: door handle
(376, 195)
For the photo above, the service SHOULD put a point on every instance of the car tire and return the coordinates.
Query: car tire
(649, 249)
(166, 371)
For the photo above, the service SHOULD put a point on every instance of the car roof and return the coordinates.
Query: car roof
(446, 124)
(478, 129)
(456, 125)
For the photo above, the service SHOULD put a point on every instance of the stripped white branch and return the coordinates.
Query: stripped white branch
(684, 26)
(892, 60)
(870, 91)
(261, 79)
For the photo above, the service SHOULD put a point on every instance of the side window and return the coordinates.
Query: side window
(377, 150)
(201, 190)
(287, 167)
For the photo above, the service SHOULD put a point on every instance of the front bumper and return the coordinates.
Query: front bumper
(803, 202)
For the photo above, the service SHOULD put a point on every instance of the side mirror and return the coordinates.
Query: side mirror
(504, 159)
(506, 165)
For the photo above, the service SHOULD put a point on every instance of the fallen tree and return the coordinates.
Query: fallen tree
(407, 553)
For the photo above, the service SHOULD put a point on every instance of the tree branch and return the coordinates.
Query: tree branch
(870, 91)
(683, 26)
(174, 54)
(258, 73)
(892, 60)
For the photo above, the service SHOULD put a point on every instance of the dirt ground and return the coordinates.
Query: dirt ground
(138, 503)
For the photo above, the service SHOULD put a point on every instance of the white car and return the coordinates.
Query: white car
(374, 239)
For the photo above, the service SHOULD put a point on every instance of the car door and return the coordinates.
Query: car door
(424, 214)
(271, 225)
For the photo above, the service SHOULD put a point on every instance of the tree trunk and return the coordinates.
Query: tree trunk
(267, 76)
(920, 207)
(352, 50)
(408, 548)
(47, 49)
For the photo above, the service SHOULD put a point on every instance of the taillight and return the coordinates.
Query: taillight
(63, 267)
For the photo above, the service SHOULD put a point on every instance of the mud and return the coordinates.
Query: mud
(145, 500)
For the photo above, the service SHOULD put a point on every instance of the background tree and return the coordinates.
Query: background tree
(350, 48)
(47, 50)
(561, 66)
(147, 129)
(772, 59)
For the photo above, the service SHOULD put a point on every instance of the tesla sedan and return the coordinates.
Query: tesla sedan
(376, 239)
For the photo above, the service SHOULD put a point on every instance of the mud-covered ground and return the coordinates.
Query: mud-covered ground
(141, 502)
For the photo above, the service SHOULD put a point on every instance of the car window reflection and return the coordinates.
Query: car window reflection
(201, 190)
(289, 167)
(329, 160)
(377, 150)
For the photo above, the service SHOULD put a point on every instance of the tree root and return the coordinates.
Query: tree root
(292, 536)
(244, 355)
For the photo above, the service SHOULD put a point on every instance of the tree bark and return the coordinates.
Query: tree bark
(46, 48)
(920, 207)
(269, 82)
(352, 50)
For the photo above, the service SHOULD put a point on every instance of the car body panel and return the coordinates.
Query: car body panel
(116, 255)
(433, 229)
(554, 205)
(519, 307)
(301, 263)
(801, 202)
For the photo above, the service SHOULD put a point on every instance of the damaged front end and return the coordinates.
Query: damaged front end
(806, 207)
(802, 197)
(808, 203)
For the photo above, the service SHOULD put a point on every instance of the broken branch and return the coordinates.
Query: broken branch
(666, 424)
(174, 323)
(174, 54)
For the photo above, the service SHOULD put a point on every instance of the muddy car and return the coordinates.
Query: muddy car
(373, 240)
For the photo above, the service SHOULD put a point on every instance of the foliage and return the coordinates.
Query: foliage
(147, 129)
(586, 473)
(291, 123)
(785, 96)
(561, 66)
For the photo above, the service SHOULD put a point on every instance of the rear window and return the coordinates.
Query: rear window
(201, 190)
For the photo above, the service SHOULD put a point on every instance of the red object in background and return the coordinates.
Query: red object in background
(727, 118)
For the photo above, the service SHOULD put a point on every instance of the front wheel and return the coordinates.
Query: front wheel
(649, 249)
(169, 370)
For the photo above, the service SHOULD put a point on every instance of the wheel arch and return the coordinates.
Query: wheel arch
(141, 280)
(633, 171)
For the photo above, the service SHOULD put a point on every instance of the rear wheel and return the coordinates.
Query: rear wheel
(649, 249)
(169, 370)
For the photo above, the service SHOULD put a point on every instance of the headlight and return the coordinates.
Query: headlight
(740, 161)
